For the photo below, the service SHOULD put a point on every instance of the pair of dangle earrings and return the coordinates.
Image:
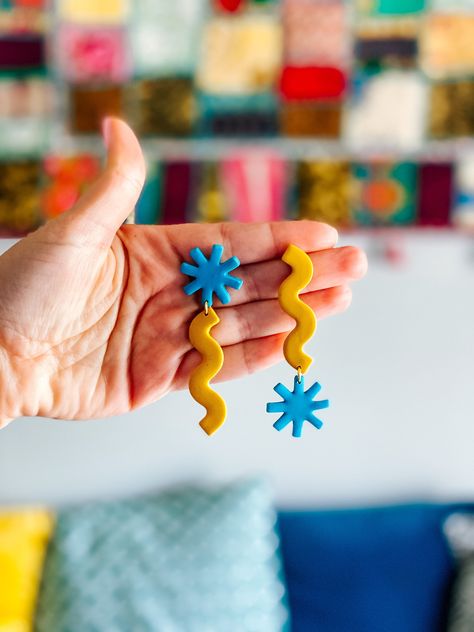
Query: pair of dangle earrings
(211, 276)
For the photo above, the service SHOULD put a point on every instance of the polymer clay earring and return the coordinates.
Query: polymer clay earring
(210, 276)
(297, 406)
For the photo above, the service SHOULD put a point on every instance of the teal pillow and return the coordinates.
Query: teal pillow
(185, 561)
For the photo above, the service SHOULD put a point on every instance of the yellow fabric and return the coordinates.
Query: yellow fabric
(447, 45)
(240, 56)
(94, 11)
(23, 539)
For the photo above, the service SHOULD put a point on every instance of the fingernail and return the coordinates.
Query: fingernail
(335, 233)
(106, 131)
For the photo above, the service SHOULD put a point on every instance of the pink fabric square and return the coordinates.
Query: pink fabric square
(316, 32)
(88, 54)
(254, 182)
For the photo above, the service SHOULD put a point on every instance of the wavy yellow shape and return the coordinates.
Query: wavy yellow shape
(211, 364)
(302, 272)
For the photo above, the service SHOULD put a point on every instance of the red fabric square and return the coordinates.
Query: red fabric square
(34, 4)
(303, 83)
(229, 6)
(435, 194)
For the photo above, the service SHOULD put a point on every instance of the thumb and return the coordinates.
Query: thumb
(102, 210)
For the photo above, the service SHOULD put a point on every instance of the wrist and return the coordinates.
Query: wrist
(21, 386)
(9, 390)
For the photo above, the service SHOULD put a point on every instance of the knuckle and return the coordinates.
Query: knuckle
(132, 179)
(327, 230)
(226, 237)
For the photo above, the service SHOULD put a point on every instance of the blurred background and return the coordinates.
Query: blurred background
(355, 113)
(358, 114)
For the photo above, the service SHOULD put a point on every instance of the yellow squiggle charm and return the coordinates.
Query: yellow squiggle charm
(211, 364)
(302, 272)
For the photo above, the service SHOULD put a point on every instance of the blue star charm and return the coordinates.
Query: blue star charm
(210, 275)
(297, 406)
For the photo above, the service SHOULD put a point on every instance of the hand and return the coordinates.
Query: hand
(93, 318)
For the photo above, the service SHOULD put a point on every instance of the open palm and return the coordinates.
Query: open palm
(93, 319)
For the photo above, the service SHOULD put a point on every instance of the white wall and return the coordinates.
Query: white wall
(398, 368)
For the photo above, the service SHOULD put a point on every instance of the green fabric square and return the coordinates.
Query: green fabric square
(385, 193)
(400, 7)
(392, 7)
(184, 561)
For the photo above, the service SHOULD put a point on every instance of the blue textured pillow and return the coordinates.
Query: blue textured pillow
(184, 561)
(382, 569)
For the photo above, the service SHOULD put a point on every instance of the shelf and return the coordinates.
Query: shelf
(292, 149)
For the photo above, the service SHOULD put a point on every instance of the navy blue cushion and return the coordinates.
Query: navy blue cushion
(367, 570)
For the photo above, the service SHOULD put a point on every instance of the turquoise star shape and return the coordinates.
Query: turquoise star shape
(297, 406)
(211, 275)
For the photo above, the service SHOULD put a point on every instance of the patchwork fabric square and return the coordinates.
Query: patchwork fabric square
(160, 50)
(26, 105)
(239, 116)
(387, 110)
(87, 54)
(24, 136)
(229, 6)
(93, 12)
(435, 194)
(452, 109)
(23, 17)
(316, 33)
(311, 119)
(67, 179)
(30, 4)
(247, 124)
(24, 535)
(177, 192)
(310, 83)
(22, 52)
(191, 560)
(385, 193)
(148, 205)
(451, 6)
(390, 7)
(185, 10)
(463, 211)
(322, 192)
(240, 56)
(165, 37)
(19, 197)
(89, 104)
(448, 44)
(212, 204)
(402, 50)
(393, 42)
(248, 202)
(163, 107)
(23, 97)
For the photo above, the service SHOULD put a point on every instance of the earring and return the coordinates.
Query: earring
(297, 406)
(211, 277)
